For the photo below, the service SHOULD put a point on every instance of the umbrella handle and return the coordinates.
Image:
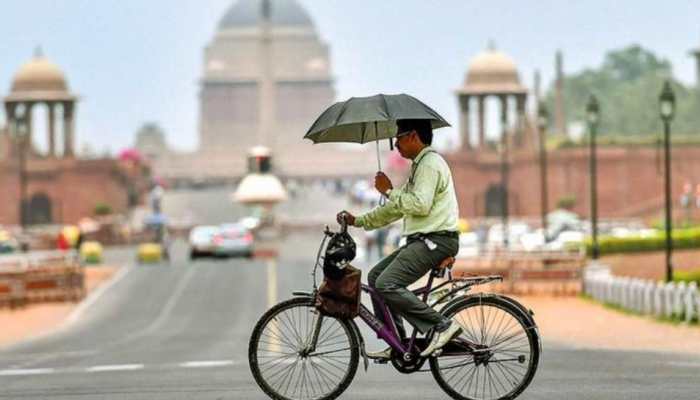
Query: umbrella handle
(383, 198)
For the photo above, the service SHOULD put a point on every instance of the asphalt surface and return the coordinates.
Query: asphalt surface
(181, 331)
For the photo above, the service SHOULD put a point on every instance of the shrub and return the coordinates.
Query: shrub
(681, 238)
(102, 209)
(566, 202)
(687, 276)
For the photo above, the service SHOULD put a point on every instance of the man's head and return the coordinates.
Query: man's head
(412, 136)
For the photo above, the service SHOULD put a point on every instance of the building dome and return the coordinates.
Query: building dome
(39, 75)
(492, 71)
(247, 13)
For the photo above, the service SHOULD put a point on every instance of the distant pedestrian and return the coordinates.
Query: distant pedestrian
(62, 242)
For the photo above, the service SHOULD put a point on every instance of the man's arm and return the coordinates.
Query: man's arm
(418, 199)
(379, 217)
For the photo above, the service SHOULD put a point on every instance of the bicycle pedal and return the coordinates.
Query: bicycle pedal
(380, 360)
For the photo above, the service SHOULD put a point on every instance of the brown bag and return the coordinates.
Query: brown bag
(340, 298)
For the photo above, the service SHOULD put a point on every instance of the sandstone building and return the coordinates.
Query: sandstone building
(55, 185)
(266, 76)
(630, 178)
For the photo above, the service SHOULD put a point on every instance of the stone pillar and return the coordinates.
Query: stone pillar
(68, 126)
(11, 120)
(482, 120)
(464, 120)
(28, 120)
(52, 129)
(520, 121)
(504, 113)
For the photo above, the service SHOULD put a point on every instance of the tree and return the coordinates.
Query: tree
(627, 85)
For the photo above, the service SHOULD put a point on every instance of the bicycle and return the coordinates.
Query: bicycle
(297, 353)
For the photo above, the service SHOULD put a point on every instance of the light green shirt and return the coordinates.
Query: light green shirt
(427, 203)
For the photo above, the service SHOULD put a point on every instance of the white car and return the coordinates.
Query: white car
(202, 241)
(233, 240)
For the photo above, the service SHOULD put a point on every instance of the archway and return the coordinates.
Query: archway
(39, 211)
(495, 196)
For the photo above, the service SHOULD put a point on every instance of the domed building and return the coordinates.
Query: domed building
(266, 77)
(37, 82)
(490, 73)
(52, 185)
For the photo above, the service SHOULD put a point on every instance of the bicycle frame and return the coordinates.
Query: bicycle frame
(387, 331)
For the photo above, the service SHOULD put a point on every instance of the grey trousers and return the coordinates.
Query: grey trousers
(393, 274)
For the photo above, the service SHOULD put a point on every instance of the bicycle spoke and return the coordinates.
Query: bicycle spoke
(506, 339)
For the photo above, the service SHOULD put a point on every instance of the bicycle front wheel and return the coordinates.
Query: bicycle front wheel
(506, 350)
(281, 359)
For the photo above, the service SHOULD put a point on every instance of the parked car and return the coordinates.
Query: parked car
(233, 240)
(202, 240)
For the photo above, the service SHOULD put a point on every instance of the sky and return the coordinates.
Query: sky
(135, 61)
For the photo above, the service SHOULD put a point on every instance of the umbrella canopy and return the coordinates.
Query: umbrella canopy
(155, 220)
(366, 119)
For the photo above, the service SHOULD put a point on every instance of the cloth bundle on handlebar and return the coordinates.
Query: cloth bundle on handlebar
(339, 293)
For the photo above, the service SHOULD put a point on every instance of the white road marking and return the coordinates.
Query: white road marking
(206, 364)
(168, 307)
(20, 372)
(109, 368)
(274, 345)
(691, 364)
(94, 296)
(271, 283)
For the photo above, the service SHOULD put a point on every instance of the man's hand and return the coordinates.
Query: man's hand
(344, 215)
(382, 183)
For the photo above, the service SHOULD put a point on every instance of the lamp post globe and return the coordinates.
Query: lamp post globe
(592, 111)
(667, 102)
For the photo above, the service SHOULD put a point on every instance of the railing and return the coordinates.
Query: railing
(527, 272)
(40, 277)
(664, 300)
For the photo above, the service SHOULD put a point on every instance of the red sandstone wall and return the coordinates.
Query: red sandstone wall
(74, 187)
(630, 182)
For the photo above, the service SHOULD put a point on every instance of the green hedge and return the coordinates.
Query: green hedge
(682, 239)
(687, 276)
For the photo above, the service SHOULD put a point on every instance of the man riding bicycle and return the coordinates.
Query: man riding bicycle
(428, 205)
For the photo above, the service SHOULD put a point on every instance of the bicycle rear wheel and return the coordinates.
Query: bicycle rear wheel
(508, 350)
(281, 363)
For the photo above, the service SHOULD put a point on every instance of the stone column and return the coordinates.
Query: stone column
(68, 125)
(520, 121)
(504, 115)
(464, 120)
(30, 130)
(11, 120)
(52, 129)
(482, 121)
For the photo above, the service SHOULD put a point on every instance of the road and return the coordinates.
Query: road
(181, 332)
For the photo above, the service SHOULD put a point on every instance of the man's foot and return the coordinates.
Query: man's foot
(380, 355)
(440, 339)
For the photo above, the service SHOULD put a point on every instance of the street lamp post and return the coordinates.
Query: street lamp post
(592, 117)
(542, 122)
(667, 105)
